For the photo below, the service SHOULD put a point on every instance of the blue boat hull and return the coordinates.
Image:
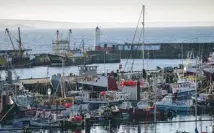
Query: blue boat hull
(185, 95)
(174, 108)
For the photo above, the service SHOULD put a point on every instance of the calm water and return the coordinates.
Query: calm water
(38, 72)
(148, 128)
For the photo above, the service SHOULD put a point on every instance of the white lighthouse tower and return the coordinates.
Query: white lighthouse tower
(97, 39)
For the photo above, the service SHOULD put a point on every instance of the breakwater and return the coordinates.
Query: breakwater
(123, 51)
(163, 50)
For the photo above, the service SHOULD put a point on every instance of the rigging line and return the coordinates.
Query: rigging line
(134, 35)
(136, 32)
(137, 47)
(12, 38)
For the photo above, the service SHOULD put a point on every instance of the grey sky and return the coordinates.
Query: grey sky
(108, 10)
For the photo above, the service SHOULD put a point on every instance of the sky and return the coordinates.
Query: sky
(157, 11)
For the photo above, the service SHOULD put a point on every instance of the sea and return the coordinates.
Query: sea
(40, 41)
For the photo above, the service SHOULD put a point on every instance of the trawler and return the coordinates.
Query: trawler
(18, 57)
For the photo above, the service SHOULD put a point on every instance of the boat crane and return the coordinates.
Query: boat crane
(8, 33)
(18, 40)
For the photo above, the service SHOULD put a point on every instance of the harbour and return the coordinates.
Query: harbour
(145, 120)
(118, 97)
(89, 80)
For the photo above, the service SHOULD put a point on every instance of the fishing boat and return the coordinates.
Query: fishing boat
(18, 57)
(80, 109)
(169, 103)
(126, 107)
(110, 98)
(144, 108)
(103, 113)
(205, 99)
(24, 100)
(183, 89)
(54, 118)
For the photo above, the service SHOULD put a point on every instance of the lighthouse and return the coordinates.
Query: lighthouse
(97, 39)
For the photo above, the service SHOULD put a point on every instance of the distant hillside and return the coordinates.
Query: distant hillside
(14, 26)
(54, 24)
(40, 24)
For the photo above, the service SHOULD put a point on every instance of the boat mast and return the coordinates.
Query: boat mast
(62, 81)
(196, 98)
(104, 62)
(57, 42)
(141, 12)
(154, 84)
(7, 30)
(182, 56)
(69, 39)
(20, 42)
(83, 45)
(143, 23)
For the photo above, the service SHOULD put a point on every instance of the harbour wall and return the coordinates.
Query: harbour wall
(163, 50)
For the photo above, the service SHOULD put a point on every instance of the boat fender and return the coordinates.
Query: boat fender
(28, 107)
